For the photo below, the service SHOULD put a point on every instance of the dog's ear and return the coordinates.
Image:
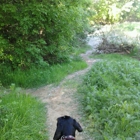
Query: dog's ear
(59, 120)
(77, 126)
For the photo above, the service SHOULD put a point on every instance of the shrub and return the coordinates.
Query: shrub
(118, 38)
(35, 33)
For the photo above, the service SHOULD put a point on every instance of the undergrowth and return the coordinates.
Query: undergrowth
(22, 117)
(111, 98)
(119, 38)
(39, 77)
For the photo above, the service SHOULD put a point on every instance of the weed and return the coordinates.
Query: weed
(111, 102)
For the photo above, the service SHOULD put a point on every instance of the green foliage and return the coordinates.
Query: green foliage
(135, 13)
(36, 77)
(111, 11)
(21, 117)
(34, 33)
(111, 101)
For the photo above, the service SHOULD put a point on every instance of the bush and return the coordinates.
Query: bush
(34, 33)
(122, 38)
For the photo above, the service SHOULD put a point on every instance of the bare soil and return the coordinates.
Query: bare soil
(61, 100)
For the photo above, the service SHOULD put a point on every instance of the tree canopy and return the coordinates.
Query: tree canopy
(38, 32)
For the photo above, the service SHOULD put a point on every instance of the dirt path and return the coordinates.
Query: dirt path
(60, 100)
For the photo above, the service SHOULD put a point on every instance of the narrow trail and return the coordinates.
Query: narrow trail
(60, 100)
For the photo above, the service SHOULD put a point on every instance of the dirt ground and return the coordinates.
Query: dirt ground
(61, 100)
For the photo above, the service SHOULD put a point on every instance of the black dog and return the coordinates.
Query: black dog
(66, 127)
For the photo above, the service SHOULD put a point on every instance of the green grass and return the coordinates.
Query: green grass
(80, 49)
(112, 57)
(135, 54)
(129, 26)
(111, 98)
(40, 77)
(22, 117)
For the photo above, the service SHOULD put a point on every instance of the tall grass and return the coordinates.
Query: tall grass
(22, 117)
(111, 98)
(38, 77)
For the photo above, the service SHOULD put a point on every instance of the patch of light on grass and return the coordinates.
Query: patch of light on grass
(132, 34)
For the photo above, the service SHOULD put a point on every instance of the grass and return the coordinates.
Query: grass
(22, 117)
(80, 49)
(129, 26)
(39, 77)
(110, 95)
(112, 57)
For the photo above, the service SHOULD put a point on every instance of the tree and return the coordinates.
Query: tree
(111, 11)
(37, 32)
